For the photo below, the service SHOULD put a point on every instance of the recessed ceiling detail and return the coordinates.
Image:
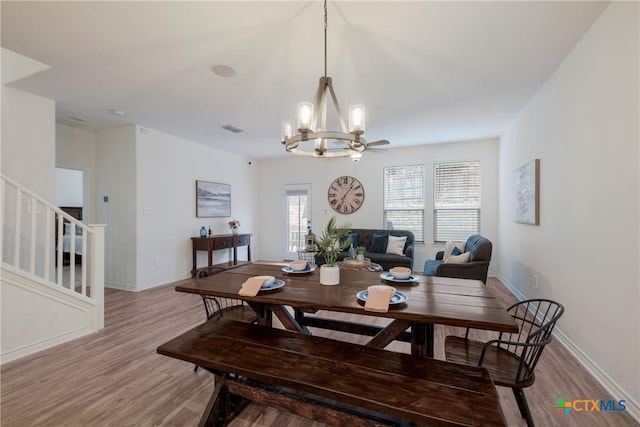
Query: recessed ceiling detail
(223, 70)
(232, 128)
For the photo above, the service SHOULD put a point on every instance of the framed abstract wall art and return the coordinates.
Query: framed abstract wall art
(212, 199)
(527, 197)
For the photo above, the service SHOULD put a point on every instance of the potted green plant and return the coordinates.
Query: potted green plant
(329, 245)
(360, 251)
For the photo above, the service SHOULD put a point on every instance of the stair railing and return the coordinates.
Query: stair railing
(36, 235)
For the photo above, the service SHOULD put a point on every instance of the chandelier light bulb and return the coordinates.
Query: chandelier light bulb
(288, 129)
(305, 114)
(356, 119)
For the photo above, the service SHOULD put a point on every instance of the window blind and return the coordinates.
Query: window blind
(404, 199)
(456, 201)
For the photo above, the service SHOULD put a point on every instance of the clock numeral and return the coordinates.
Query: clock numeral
(332, 194)
(345, 208)
(345, 179)
(339, 207)
(358, 201)
(334, 188)
(359, 194)
(333, 202)
(357, 186)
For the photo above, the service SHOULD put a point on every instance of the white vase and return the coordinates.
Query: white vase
(329, 275)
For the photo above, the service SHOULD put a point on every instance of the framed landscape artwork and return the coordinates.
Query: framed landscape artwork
(527, 197)
(212, 199)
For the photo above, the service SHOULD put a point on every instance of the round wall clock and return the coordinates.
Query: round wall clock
(346, 194)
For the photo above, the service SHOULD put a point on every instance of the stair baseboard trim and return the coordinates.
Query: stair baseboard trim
(613, 388)
(53, 287)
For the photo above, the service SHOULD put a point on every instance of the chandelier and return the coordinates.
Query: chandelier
(313, 137)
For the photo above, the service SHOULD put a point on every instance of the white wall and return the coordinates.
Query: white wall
(583, 125)
(167, 170)
(116, 179)
(69, 187)
(274, 174)
(28, 143)
(29, 321)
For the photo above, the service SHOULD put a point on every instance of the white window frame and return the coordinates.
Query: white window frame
(289, 189)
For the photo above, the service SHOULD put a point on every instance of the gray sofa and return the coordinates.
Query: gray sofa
(480, 255)
(387, 261)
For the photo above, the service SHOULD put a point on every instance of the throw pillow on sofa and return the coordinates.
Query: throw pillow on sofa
(395, 245)
(379, 243)
(448, 248)
(458, 259)
(354, 239)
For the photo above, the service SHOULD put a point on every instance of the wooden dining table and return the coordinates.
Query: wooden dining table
(298, 304)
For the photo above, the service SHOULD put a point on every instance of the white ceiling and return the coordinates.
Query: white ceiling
(426, 71)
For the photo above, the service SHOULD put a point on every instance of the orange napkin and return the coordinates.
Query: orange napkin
(251, 287)
(378, 300)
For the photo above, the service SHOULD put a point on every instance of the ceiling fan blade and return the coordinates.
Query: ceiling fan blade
(379, 142)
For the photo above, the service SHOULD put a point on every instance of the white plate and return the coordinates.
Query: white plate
(396, 298)
(290, 270)
(388, 276)
(276, 284)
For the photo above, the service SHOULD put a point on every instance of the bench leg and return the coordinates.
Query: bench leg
(223, 406)
(214, 412)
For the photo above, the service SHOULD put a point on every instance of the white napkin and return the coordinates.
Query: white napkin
(378, 299)
(251, 287)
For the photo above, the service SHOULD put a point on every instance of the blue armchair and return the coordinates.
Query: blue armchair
(479, 249)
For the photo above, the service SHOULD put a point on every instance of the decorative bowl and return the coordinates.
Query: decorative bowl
(268, 280)
(400, 273)
(298, 265)
(381, 287)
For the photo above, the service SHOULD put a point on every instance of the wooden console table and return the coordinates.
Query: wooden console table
(218, 242)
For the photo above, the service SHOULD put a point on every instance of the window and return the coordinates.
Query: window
(298, 218)
(404, 199)
(456, 201)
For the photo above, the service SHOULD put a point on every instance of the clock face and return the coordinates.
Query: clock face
(346, 194)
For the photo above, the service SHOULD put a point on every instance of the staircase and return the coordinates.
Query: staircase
(43, 301)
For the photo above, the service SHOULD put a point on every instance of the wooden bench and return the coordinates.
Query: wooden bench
(332, 381)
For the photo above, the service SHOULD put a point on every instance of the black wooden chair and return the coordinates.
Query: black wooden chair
(217, 308)
(512, 358)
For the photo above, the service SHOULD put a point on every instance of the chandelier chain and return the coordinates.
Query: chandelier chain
(325, 38)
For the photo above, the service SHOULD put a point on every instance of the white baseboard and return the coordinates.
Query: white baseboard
(144, 286)
(616, 392)
(45, 344)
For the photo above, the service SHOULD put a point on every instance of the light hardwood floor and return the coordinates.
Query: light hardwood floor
(115, 378)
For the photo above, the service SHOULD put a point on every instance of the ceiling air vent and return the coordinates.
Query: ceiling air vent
(232, 128)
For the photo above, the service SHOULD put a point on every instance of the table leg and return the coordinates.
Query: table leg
(288, 321)
(265, 315)
(389, 333)
(422, 339)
